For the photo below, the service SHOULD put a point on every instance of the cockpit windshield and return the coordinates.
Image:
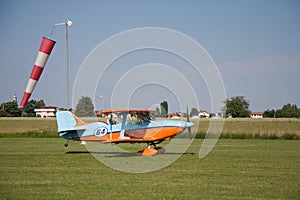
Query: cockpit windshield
(129, 116)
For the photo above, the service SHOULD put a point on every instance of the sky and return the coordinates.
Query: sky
(254, 44)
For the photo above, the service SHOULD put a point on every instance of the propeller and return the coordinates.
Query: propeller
(188, 120)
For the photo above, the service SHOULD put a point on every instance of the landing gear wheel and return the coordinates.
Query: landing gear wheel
(151, 151)
(148, 152)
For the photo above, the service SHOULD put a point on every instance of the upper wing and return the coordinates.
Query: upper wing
(127, 111)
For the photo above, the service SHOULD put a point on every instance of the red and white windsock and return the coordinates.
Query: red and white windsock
(40, 62)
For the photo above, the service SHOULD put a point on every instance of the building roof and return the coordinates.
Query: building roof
(48, 107)
(257, 113)
(203, 111)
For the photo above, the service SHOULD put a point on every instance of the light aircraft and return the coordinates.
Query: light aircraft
(123, 126)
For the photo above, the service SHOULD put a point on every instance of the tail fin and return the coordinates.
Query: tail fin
(66, 121)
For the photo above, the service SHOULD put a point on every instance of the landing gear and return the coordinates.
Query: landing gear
(66, 144)
(152, 151)
(148, 152)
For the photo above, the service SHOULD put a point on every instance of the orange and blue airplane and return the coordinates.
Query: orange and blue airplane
(123, 126)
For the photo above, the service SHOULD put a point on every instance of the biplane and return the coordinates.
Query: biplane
(123, 126)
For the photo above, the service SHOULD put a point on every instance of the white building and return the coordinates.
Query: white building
(203, 114)
(217, 115)
(256, 115)
(45, 111)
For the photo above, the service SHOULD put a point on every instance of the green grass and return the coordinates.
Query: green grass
(22, 125)
(258, 127)
(30, 134)
(41, 168)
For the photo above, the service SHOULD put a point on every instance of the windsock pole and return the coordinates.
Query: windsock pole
(40, 62)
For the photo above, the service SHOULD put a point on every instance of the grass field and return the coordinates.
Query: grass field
(35, 165)
(266, 126)
(20, 124)
(41, 168)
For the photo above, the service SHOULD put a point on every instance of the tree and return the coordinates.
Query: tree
(194, 112)
(28, 110)
(237, 107)
(39, 103)
(10, 109)
(269, 113)
(85, 107)
(163, 109)
(3, 113)
(288, 111)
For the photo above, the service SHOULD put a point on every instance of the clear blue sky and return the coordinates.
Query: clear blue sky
(255, 44)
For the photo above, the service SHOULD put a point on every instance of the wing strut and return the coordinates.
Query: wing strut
(188, 120)
(110, 125)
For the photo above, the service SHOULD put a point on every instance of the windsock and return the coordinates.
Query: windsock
(40, 62)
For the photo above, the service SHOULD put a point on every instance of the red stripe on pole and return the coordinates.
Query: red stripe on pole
(25, 98)
(46, 48)
(36, 72)
(47, 45)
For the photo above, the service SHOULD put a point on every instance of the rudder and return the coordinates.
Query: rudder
(65, 121)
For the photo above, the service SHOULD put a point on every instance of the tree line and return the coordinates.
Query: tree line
(85, 108)
(239, 107)
(287, 111)
(235, 107)
(10, 109)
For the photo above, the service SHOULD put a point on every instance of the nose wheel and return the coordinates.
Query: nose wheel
(149, 151)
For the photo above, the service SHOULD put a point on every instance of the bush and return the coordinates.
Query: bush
(290, 136)
(273, 136)
(200, 135)
(3, 113)
(256, 135)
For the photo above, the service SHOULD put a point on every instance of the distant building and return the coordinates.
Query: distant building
(203, 114)
(174, 115)
(256, 115)
(45, 111)
(217, 115)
